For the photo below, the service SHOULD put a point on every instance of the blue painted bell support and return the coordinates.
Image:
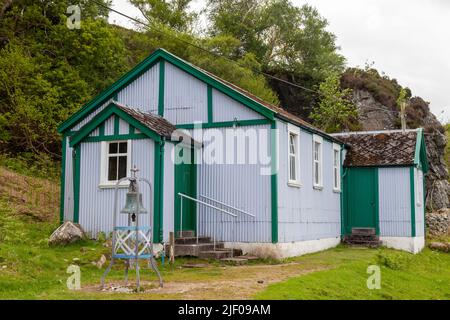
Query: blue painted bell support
(133, 241)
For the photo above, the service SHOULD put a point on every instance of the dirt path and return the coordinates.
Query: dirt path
(233, 282)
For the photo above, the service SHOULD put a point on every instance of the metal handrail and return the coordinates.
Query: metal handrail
(197, 220)
(230, 207)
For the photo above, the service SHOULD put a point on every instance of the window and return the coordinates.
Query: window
(293, 156)
(115, 162)
(317, 162)
(336, 167)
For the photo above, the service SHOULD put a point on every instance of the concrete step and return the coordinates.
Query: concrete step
(215, 254)
(185, 233)
(193, 249)
(236, 260)
(363, 231)
(236, 252)
(192, 240)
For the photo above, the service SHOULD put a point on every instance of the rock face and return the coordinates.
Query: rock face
(67, 233)
(438, 223)
(375, 116)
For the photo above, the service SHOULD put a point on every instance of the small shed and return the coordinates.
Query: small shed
(383, 179)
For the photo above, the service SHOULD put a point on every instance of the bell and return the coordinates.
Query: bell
(131, 204)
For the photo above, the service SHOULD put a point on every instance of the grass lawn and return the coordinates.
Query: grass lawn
(30, 269)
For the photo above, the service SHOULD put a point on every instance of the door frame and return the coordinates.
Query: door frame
(347, 194)
(189, 223)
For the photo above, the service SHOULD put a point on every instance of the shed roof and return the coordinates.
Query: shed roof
(384, 148)
(158, 124)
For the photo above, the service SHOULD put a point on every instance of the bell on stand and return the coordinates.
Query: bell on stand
(133, 241)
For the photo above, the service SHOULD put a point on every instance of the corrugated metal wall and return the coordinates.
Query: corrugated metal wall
(227, 109)
(185, 97)
(96, 204)
(305, 213)
(394, 202)
(419, 211)
(169, 190)
(242, 186)
(68, 184)
(142, 93)
(88, 118)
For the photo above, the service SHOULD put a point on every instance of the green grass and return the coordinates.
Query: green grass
(30, 269)
(403, 276)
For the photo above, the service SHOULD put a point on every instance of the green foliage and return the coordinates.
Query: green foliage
(335, 111)
(33, 165)
(288, 41)
(384, 89)
(394, 260)
(171, 13)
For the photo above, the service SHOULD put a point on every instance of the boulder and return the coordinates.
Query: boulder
(66, 233)
(440, 246)
(438, 223)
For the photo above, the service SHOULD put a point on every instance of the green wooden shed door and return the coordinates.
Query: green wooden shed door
(186, 183)
(361, 200)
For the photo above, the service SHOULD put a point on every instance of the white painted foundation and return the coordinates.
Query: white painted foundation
(410, 244)
(286, 249)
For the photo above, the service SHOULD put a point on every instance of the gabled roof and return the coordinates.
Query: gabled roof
(153, 126)
(385, 148)
(266, 109)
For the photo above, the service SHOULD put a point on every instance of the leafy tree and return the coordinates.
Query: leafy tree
(289, 42)
(335, 111)
(171, 13)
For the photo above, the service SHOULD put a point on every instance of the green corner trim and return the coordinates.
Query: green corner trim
(161, 88)
(341, 195)
(241, 123)
(109, 111)
(116, 125)
(274, 181)
(158, 195)
(76, 183)
(101, 130)
(210, 104)
(420, 154)
(377, 203)
(413, 201)
(63, 178)
(134, 136)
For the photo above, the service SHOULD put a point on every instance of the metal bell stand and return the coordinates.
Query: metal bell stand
(132, 242)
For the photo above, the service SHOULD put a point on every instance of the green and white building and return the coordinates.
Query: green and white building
(282, 180)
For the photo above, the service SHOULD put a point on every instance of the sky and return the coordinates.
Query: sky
(409, 40)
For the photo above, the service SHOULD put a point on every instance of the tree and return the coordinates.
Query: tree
(171, 13)
(289, 42)
(335, 111)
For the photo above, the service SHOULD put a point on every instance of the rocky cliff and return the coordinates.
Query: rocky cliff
(375, 97)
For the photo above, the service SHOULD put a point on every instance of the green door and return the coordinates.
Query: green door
(185, 183)
(361, 199)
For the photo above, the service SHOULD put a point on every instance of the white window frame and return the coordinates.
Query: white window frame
(418, 187)
(104, 182)
(337, 168)
(319, 140)
(293, 130)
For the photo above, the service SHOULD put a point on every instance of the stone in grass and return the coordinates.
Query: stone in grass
(440, 246)
(66, 233)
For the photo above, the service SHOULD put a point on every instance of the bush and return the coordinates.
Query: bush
(394, 260)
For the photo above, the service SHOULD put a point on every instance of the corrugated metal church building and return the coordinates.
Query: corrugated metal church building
(282, 199)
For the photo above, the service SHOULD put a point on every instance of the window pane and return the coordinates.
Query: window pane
(316, 172)
(292, 173)
(316, 151)
(122, 167)
(291, 143)
(112, 168)
(336, 157)
(336, 178)
(113, 147)
(123, 147)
